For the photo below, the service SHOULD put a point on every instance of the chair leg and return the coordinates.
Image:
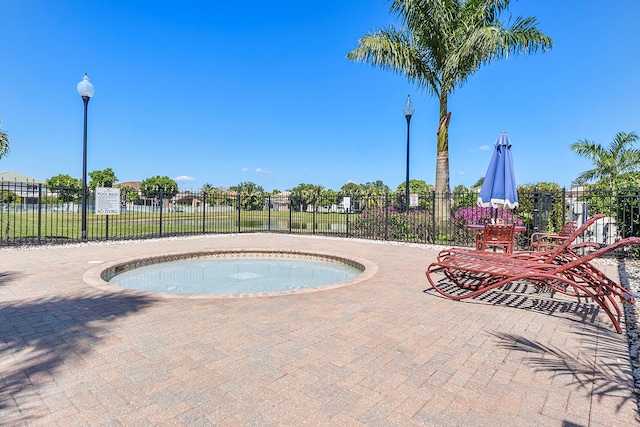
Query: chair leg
(479, 241)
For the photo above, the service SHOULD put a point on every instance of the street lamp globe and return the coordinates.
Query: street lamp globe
(408, 108)
(85, 88)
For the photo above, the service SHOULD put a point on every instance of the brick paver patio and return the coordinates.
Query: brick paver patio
(384, 351)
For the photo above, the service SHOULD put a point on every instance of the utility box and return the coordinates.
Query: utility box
(603, 232)
(578, 212)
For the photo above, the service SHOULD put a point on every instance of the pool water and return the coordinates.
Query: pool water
(229, 275)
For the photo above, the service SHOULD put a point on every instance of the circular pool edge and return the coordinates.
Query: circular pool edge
(98, 276)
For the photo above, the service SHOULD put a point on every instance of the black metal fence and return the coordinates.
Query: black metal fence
(35, 214)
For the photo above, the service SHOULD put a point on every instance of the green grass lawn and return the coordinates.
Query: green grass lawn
(68, 225)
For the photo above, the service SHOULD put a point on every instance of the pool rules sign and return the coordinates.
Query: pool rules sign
(107, 201)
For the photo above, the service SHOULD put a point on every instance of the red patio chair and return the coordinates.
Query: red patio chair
(544, 241)
(496, 236)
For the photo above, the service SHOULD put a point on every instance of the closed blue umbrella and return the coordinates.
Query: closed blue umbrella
(499, 186)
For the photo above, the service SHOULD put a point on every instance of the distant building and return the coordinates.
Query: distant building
(134, 184)
(280, 201)
(187, 198)
(24, 186)
(16, 178)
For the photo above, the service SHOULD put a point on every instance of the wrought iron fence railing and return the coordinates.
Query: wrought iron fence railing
(36, 214)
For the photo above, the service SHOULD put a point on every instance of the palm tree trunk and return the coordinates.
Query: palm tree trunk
(442, 206)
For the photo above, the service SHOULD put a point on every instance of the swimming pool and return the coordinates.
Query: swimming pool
(236, 273)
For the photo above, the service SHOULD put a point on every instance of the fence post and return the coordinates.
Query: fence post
(269, 213)
(433, 217)
(161, 204)
(290, 215)
(238, 203)
(39, 213)
(564, 206)
(204, 213)
(347, 224)
(313, 217)
(386, 215)
(536, 201)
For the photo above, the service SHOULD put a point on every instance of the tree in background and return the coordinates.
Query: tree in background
(159, 187)
(545, 200)
(251, 195)
(9, 197)
(214, 195)
(478, 184)
(102, 178)
(376, 187)
(616, 172)
(463, 196)
(416, 186)
(304, 195)
(441, 45)
(351, 189)
(128, 193)
(615, 164)
(328, 198)
(374, 194)
(4, 143)
(67, 189)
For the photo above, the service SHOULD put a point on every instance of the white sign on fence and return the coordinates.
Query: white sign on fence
(413, 200)
(107, 201)
(346, 203)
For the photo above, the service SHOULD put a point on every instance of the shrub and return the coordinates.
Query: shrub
(394, 225)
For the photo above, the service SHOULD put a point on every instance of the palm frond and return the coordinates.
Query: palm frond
(588, 149)
(393, 49)
(4, 144)
(623, 140)
(619, 161)
(523, 37)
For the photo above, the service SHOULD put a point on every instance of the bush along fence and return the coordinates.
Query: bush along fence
(35, 214)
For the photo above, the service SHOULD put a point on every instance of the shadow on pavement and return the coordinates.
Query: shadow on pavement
(39, 336)
(527, 297)
(7, 276)
(609, 377)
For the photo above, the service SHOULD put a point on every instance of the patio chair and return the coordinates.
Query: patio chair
(543, 241)
(561, 270)
(496, 236)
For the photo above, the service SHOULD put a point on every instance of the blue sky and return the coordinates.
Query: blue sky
(229, 92)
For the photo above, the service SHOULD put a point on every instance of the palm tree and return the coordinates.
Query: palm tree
(374, 194)
(442, 44)
(4, 144)
(251, 195)
(609, 163)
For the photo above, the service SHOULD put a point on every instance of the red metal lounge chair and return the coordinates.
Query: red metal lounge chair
(561, 270)
(542, 241)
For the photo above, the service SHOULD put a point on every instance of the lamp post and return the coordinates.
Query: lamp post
(408, 110)
(85, 90)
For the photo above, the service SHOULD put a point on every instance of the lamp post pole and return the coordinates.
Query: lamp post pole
(85, 90)
(408, 109)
